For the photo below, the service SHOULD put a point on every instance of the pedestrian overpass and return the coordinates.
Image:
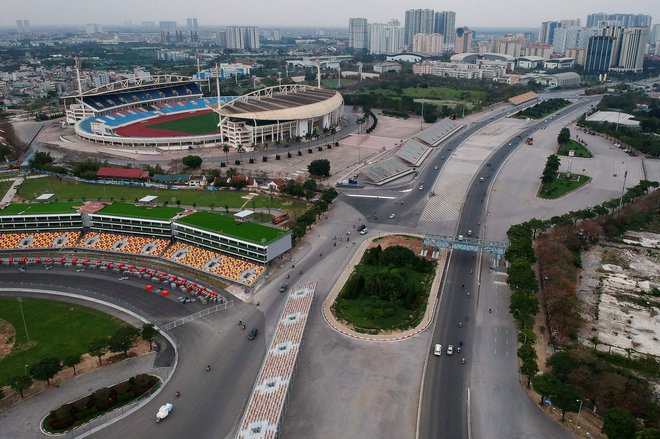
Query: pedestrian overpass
(437, 242)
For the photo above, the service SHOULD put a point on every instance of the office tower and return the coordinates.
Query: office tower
(358, 32)
(654, 34)
(445, 24)
(599, 54)
(23, 26)
(242, 37)
(427, 43)
(418, 21)
(463, 40)
(570, 38)
(167, 32)
(633, 47)
(385, 38)
(547, 33)
(569, 23)
(625, 20)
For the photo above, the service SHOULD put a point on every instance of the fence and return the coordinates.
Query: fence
(197, 315)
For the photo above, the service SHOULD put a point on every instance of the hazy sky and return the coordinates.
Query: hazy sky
(475, 13)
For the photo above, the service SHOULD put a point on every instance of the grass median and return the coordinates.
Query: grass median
(572, 145)
(562, 185)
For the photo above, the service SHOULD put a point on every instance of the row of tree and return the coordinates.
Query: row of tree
(120, 342)
(305, 221)
(543, 108)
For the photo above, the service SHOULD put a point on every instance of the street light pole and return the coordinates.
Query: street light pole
(421, 122)
(578, 413)
(525, 334)
(20, 304)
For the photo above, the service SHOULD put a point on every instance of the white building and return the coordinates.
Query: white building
(633, 48)
(385, 67)
(459, 70)
(358, 33)
(385, 38)
(559, 63)
(242, 37)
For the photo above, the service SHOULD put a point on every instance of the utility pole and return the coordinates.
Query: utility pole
(20, 304)
(421, 123)
(625, 175)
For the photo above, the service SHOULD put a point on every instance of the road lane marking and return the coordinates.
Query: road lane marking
(371, 196)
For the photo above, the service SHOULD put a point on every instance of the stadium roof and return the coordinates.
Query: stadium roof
(132, 84)
(40, 209)
(226, 225)
(131, 211)
(289, 102)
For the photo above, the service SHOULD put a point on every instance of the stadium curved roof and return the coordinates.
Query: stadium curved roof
(286, 102)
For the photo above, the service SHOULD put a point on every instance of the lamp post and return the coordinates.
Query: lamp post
(577, 421)
(525, 334)
(421, 122)
(20, 304)
(26, 366)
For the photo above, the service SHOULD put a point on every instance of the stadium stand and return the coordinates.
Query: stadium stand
(263, 415)
(386, 170)
(413, 152)
(438, 132)
(137, 245)
(132, 97)
(58, 239)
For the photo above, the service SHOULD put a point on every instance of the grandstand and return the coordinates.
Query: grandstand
(136, 245)
(386, 170)
(140, 220)
(438, 132)
(55, 240)
(413, 152)
(263, 415)
(48, 216)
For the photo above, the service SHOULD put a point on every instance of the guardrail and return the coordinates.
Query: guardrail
(197, 315)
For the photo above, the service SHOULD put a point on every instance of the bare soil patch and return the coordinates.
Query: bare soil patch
(7, 338)
(412, 243)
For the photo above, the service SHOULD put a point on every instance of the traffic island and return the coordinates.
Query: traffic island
(562, 184)
(386, 292)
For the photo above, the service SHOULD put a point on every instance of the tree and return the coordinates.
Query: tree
(564, 136)
(148, 332)
(71, 361)
(98, 348)
(225, 149)
(192, 161)
(648, 433)
(529, 368)
(553, 162)
(41, 160)
(320, 167)
(567, 399)
(123, 339)
(524, 306)
(619, 424)
(562, 363)
(46, 369)
(546, 385)
(20, 383)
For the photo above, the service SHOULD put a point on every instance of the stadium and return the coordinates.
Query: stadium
(170, 112)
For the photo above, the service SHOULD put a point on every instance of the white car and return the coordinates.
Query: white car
(437, 350)
(392, 216)
(450, 349)
(421, 188)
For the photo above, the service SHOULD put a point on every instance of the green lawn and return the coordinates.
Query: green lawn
(560, 186)
(580, 151)
(133, 211)
(4, 187)
(370, 315)
(334, 83)
(39, 208)
(56, 329)
(198, 124)
(226, 224)
(443, 93)
(65, 190)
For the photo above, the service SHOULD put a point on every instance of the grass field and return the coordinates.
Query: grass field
(227, 225)
(132, 211)
(198, 124)
(65, 190)
(334, 83)
(435, 95)
(4, 187)
(580, 151)
(56, 330)
(560, 186)
(38, 208)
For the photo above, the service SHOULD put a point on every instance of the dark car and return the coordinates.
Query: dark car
(283, 288)
(252, 334)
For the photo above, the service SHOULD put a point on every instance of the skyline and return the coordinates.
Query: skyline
(479, 13)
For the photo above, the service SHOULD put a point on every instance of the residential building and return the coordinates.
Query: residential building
(358, 33)
(570, 37)
(23, 26)
(192, 24)
(242, 37)
(538, 49)
(93, 29)
(463, 40)
(427, 43)
(385, 38)
(387, 67)
(221, 38)
(482, 70)
(625, 20)
(564, 80)
(508, 45)
(101, 79)
(578, 54)
(445, 25)
(418, 21)
(167, 32)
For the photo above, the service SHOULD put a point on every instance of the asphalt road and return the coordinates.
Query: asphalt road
(211, 404)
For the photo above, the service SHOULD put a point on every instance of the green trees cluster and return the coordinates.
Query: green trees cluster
(41, 160)
(543, 109)
(564, 136)
(319, 168)
(192, 161)
(551, 168)
(306, 189)
(370, 114)
(308, 218)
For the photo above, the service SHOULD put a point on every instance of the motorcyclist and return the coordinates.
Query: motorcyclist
(462, 360)
(208, 368)
(178, 393)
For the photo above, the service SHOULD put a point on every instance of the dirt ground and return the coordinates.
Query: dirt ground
(7, 338)
(414, 244)
(88, 364)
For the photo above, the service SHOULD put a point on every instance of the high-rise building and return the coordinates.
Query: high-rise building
(93, 28)
(167, 32)
(578, 54)
(418, 21)
(625, 20)
(463, 40)
(427, 43)
(23, 26)
(547, 33)
(633, 48)
(221, 38)
(358, 32)
(385, 38)
(654, 35)
(599, 54)
(570, 38)
(445, 25)
(192, 24)
(242, 37)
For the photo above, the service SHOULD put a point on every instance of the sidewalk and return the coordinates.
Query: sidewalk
(24, 419)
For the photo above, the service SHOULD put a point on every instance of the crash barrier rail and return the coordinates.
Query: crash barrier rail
(197, 315)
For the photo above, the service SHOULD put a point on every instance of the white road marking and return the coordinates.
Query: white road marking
(371, 196)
